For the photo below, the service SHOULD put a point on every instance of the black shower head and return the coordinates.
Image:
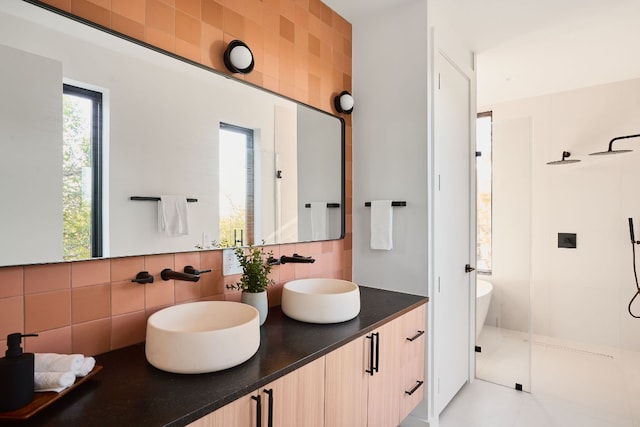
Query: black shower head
(611, 150)
(564, 160)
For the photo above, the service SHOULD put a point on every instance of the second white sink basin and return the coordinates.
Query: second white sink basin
(201, 337)
(321, 300)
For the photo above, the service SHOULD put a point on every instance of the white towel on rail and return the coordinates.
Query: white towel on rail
(381, 225)
(318, 220)
(172, 215)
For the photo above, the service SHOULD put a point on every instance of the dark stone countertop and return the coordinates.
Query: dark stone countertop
(130, 392)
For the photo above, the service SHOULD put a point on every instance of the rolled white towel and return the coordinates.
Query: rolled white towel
(54, 362)
(87, 366)
(53, 381)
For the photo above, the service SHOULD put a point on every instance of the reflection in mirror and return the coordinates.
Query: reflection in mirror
(81, 173)
(161, 135)
(237, 192)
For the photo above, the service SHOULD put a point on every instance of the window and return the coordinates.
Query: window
(483, 191)
(237, 191)
(82, 173)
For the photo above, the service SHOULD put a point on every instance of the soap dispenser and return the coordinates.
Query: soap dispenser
(16, 375)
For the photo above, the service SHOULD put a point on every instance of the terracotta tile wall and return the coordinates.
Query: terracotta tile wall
(302, 50)
(93, 306)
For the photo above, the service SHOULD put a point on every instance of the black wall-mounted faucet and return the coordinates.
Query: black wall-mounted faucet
(295, 258)
(169, 274)
(190, 270)
(143, 277)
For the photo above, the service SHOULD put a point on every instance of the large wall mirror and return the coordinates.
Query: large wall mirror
(256, 166)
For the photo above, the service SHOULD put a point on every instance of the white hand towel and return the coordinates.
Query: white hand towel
(54, 362)
(318, 220)
(53, 381)
(381, 225)
(172, 215)
(87, 366)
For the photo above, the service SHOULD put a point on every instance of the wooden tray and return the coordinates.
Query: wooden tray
(43, 399)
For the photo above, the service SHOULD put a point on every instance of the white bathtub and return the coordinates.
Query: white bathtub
(484, 289)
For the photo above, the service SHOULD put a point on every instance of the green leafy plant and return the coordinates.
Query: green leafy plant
(255, 277)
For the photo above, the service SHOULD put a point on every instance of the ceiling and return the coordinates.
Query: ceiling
(528, 48)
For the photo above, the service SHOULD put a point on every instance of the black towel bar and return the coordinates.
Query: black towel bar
(394, 203)
(329, 205)
(155, 199)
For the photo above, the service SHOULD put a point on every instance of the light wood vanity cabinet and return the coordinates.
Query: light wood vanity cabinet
(298, 397)
(413, 343)
(294, 400)
(378, 379)
(373, 381)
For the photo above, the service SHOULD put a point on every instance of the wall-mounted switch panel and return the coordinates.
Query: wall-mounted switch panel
(230, 263)
(567, 240)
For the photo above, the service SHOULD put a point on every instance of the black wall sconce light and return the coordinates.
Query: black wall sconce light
(238, 58)
(343, 102)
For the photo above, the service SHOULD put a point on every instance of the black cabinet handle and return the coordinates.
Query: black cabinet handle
(371, 351)
(374, 353)
(415, 388)
(416, 336)
(258, 410)
(377, 335)
(270, 404)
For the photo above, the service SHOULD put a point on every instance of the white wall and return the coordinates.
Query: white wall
(579, 294)
(286, 152)
(30, 141)
(390, 143)
(511, 223)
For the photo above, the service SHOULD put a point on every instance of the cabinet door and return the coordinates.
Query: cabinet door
(297, 399)
(346, 385)
(384, 384)
(413, 343)
(364, 383)
(239, 413)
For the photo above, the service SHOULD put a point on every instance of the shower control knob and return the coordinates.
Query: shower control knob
(468, 268)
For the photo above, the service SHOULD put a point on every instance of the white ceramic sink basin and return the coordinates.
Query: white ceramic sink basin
(321, 300)
(200, 337)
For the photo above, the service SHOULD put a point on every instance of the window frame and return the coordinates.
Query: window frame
(251, 192)
(95, 97)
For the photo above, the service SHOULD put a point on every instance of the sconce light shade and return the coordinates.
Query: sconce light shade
(238, 58)
(343, 102)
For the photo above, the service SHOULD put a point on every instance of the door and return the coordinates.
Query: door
(503, 336)
(452, 228)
